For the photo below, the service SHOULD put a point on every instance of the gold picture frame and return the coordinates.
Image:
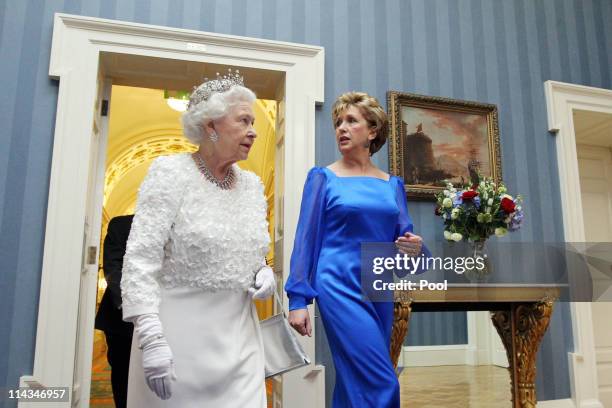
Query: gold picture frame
(432, 139)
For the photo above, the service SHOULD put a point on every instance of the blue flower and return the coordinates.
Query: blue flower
(458, 202)
(516, 220)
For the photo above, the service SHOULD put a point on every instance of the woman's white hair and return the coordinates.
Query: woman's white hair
(218, 105)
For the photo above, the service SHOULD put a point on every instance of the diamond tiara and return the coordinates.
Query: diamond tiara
(209, 87)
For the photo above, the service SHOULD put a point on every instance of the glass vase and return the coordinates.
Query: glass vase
(482, 267)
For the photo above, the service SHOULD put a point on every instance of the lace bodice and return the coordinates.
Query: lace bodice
(188, 232)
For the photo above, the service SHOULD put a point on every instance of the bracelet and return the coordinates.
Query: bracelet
(150, 340)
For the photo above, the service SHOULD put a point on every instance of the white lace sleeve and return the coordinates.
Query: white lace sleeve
(157, 204)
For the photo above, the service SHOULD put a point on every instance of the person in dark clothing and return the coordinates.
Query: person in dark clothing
(109, 318)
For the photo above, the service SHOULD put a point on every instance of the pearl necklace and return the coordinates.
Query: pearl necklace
(225, 184)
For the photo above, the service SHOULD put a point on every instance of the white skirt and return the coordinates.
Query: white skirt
(218, 352)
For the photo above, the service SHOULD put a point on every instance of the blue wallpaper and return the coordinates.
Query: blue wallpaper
(485, 50)
(437, 328)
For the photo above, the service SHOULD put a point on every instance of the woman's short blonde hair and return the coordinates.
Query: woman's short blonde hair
(371, 111)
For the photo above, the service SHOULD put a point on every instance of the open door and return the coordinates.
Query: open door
(279, 194)
(595, 167)
(91, 247)
(305, 387)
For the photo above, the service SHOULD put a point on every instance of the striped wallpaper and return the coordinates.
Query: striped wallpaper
(484, 50)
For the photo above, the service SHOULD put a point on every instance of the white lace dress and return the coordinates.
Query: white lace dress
(192, 254)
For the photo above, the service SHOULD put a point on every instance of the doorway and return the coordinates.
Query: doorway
(133, 126)
(594, 150)
(144, 123)
(85, 51)
(578, 116)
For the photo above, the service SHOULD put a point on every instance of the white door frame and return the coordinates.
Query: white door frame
(561, 100)
(89, 270)
(75, 55)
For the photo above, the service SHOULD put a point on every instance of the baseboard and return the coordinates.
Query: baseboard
(583, 382)
(426, 356)
(560, 403)
(592, 403)
(500, 359)
(569, 403)
(29, 381)
(320, 386)
(475, 356)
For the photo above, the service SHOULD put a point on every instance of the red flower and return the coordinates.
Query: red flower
(468, 195)
(507, 205)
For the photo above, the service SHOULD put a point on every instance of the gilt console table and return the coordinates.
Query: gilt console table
(520, 313)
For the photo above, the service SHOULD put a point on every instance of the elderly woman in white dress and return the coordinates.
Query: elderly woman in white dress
(194, 261)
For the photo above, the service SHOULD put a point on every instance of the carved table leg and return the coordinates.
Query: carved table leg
(401, 318)
(521, 329)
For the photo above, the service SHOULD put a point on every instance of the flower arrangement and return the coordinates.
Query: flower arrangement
(476, 212)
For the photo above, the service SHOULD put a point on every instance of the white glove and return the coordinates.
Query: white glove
(156, 355)
(265, 285)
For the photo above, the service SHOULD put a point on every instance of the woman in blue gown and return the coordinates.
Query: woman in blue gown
(343, 205)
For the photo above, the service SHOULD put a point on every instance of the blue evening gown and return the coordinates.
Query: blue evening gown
(337, 214)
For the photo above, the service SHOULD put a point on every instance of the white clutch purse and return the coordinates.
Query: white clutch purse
(282, 349)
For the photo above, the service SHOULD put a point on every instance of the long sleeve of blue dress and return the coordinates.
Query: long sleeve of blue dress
(307, 244)
(404, 223)
(404, 220)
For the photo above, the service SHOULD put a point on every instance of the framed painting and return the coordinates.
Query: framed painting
(433, 139)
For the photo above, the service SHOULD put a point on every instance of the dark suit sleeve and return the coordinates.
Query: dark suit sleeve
(114, 250)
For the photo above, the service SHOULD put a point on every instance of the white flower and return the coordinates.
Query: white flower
(502, 189)
(490, 201)
(454, 213)
(506, 196)
(455, 236)
(447, 235)
(500, 232)
(447, 203)
(446, 193)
